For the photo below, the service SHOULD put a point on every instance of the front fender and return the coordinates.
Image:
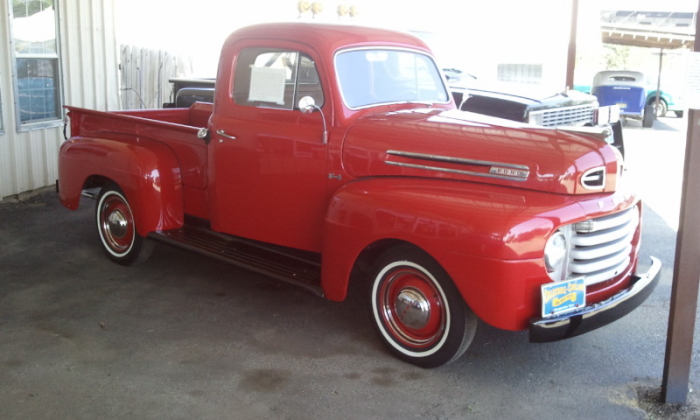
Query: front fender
(440, 217)
(489, 239)
(147, 171)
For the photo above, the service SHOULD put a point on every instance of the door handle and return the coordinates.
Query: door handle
(222, 133)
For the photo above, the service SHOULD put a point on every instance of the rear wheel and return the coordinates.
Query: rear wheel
(648, 118)
(117, 229)
(661, 110)
(417, 310)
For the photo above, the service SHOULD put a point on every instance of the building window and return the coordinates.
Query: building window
(37, 81)
(520, 73)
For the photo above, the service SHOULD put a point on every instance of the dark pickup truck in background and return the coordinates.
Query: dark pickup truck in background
(571, 110)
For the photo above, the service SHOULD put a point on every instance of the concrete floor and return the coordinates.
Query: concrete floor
(184, 337)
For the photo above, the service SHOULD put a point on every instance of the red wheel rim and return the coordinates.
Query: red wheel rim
(116, 224)
(412, 307)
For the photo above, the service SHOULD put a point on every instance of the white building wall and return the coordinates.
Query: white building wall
(89, 60)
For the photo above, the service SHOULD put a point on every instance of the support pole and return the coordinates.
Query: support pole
(571, 57)
(658, 83)
(686, 273)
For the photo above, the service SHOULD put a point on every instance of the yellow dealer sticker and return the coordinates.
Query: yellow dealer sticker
(562, 297)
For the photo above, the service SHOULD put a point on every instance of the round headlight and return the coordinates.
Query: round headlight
(555, 251)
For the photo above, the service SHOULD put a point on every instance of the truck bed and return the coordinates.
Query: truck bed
(175, 127)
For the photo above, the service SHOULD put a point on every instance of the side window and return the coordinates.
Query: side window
(270, 78)
(36, 62)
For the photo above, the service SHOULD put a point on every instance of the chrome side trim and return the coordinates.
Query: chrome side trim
(450, 159)
(454, 171)
(498, 170)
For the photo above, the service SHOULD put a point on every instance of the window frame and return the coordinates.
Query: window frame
(57, 120)
(294, 81)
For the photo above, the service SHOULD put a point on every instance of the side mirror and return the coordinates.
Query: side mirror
(307, 105)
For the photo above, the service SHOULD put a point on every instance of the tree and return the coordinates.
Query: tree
(616, 56)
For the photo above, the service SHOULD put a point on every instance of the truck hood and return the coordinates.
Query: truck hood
(472, 147)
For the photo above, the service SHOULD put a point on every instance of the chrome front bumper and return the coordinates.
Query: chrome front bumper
(543, 330)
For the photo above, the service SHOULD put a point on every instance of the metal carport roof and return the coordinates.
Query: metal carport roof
(667, 30)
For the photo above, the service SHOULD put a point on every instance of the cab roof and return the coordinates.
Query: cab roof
(326, 37)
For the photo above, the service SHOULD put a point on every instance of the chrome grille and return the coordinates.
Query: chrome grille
(571, 116)
(600, 248)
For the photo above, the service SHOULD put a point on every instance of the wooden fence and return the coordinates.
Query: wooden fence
(145, 75)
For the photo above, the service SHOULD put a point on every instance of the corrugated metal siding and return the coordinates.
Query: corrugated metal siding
(90, 54)
(89, 57)
(7, 176)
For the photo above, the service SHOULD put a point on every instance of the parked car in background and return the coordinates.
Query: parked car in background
(627, 90)
(667, 103)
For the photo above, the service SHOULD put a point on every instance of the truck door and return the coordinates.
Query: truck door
(269, 158)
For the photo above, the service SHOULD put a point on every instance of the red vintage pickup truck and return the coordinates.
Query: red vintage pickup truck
(333, 156)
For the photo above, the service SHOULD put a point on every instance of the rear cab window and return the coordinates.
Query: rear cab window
(275, 78)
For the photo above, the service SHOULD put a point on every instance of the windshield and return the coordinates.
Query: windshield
(381, 76)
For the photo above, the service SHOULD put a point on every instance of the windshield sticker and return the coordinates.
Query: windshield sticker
(267, 84)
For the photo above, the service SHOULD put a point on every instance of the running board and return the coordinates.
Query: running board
(302, 269)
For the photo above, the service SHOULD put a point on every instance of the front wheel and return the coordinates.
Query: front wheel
(117, 229)
(417, 310)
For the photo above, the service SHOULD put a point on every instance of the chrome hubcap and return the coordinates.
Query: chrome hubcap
(412, 308)
(117, 224)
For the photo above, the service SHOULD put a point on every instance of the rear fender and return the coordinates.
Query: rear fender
(147, 172)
